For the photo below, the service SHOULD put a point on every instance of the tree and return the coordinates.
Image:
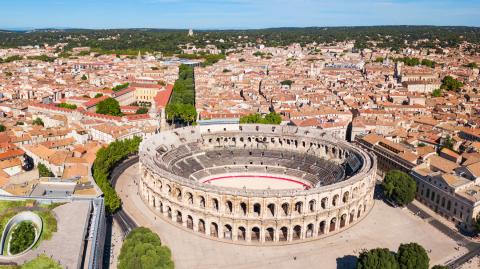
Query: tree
(106, 159)
(22, 237)
(437, 93)
(84, 77)
(399, 187)
(440, 267)
(143, 249)
(412, 256)
(142, 110)
(287, 82)
(109, 106)
(270, 118)
(38, 121)
(44, 171)
(451, 84)
(98, 95)
(2, 128)
(120, 87)
(68, 106)
(476, 223)
(448, 142)
(378, 258)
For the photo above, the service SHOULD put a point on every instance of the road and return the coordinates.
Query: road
(473, 247)
(125, 222)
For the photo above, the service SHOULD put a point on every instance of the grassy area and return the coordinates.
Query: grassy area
(7, 211)
(41, 262)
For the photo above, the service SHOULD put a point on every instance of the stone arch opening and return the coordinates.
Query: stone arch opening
(352, 216)
(335, 200)
(283, 236)
(243, 208)
(271, 209)
(213, 229)
(179, 217)
(299, 207)
(285, 209)
(297, 232)
(309, 232)
(269, 235)
(227, 233)
(189, 198)
(257, 209)
(179, 195)
(229, 207)
(321, 228)
(201, 202)
(189, 222)
(324, 203)
(359, 212)
(311, 205)
(343, 220)
(255, 235)
(346, 197)
(333, 222)
(201, 226)
(215, 204)
(169, 212)
(241, 233)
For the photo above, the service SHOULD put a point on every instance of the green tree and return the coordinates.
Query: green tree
(106, 159)
(412, 256)
(440, 267)
(120, 87)
(44, 171)
(451, 84)
(286, 82)
(142, 110)
(38, 121)
(378, 258)
(142, 249)
(109, 106)
(437, 93)
(84, 77)
(68, 106)
(270, 118)
(2, 128)
(22, 237)
(98, 95)
(399, 187)
(448, 142)
(476, 223)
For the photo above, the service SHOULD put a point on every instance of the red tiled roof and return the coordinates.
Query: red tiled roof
(94, 101)
(11, 154)
(162, 97)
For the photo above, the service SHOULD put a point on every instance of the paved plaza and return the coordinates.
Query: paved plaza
(383, 227)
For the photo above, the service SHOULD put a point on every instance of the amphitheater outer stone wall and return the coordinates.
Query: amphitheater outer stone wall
(256, 216)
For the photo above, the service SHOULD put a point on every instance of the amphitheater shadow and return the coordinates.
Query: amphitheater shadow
(347, 262)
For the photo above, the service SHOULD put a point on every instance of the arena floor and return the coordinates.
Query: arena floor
(383, 227)
(255, 182)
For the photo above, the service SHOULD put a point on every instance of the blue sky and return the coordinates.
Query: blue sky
(214, 14)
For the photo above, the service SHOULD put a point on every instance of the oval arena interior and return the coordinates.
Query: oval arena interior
(256, 184)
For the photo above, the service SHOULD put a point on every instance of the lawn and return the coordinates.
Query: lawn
(41, 262)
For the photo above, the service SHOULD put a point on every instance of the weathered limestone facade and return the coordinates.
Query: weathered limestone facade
(254, 216)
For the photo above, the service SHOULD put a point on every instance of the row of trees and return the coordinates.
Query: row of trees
(43, 171)
(106, 159)
(68, 106)
(270, 118)
(415, 61)
(2, 128)
(143, 249)
(120, 87)
(181, 107)
(408, 256)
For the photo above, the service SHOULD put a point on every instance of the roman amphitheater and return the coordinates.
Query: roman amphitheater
(256, 184)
